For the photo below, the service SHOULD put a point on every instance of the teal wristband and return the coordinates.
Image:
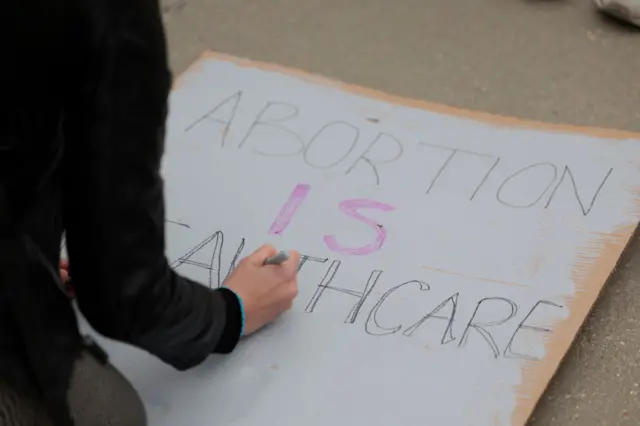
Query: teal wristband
(242, 318)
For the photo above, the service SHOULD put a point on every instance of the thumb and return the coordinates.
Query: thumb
(258, 257)
(294, 258)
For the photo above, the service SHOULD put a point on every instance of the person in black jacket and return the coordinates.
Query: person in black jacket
(84, 109)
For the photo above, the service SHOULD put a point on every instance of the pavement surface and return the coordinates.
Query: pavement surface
(549, 60)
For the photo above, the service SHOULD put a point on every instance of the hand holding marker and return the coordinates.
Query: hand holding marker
(266, 284)
(277, 259)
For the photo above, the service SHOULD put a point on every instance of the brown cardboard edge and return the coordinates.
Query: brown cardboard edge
(485, 117)
(589, 281)
(591, 273)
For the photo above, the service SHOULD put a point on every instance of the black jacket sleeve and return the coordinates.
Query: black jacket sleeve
(113, 201)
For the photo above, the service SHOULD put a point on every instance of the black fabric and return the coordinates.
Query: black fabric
(231, 334)
(38, 333)
(82, 125)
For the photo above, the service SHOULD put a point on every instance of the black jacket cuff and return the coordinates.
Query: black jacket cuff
(233, 324)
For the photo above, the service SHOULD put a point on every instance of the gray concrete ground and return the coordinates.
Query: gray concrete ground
(549, 60)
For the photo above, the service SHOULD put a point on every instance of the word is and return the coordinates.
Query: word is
(349, 207)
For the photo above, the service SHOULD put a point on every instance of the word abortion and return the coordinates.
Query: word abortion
(447, 311)
(351, 153)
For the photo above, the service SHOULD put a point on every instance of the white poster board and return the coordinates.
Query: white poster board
(450, 256)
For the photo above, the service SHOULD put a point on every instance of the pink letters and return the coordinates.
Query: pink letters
(297, 197)
(350, 208)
